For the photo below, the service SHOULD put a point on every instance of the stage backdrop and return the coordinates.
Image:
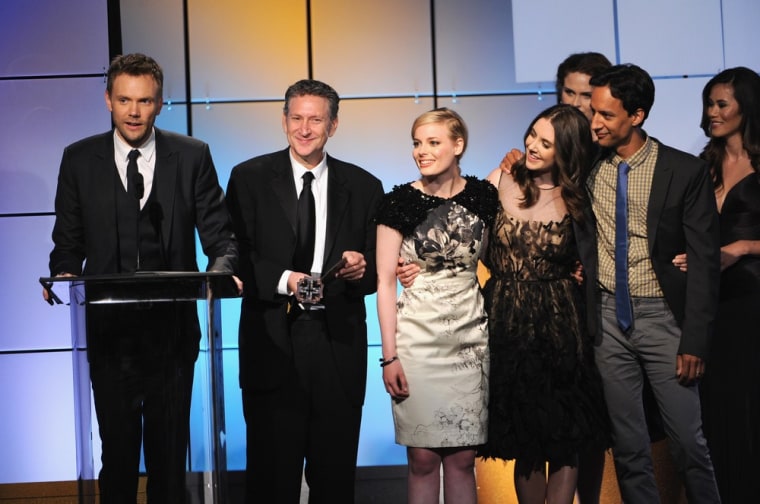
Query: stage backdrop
(228, 63)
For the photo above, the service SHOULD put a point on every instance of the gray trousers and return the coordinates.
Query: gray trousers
(651, 348)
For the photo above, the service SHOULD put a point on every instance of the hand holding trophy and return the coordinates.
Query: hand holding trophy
(310, 290)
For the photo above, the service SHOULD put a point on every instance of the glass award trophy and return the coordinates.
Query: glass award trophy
(310, 290)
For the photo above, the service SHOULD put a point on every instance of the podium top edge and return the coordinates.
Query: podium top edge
(139, 276)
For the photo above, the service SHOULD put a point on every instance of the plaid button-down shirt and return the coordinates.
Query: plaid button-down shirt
(602, 183)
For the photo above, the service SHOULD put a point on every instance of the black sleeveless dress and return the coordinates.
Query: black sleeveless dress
(730, 387)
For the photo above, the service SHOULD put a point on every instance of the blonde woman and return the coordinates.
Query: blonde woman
(434, 336)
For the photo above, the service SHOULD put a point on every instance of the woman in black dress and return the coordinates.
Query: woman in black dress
(547, 403)
(730, 387)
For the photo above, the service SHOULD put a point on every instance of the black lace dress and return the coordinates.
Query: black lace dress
(547, 402)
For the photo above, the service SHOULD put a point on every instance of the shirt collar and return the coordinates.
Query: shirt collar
(299, 169)
(638, 157)
(122, 148)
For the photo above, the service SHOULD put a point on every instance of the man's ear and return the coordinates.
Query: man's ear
(333, 127)
(638, 117)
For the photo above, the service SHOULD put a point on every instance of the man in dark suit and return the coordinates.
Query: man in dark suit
(130, 200)
(303, 370)
(650, 202)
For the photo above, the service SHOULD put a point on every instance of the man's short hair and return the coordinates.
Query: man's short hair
(310, 87)
(630, 84)
(135, 64)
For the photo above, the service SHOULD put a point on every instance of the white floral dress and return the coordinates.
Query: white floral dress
(442, 331)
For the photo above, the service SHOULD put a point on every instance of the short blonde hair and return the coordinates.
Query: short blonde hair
(453, 121)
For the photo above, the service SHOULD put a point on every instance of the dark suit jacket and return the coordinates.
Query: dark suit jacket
(187, 194)
(187, 190)
(262, 199)
(681, 217)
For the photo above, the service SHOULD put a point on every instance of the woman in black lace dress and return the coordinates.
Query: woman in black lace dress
(547, 403)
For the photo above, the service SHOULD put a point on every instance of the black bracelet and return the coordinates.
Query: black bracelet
(384, 363)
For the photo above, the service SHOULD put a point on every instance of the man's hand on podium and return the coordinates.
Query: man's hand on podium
(48, 295)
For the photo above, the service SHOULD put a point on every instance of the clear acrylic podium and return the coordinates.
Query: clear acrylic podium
(207, 471)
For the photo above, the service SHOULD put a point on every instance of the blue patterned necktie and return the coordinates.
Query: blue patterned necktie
(622, 293)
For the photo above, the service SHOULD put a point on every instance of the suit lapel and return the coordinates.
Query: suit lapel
(105, 174)
(661, 179)
(337, 204)
(284, 187)
(165, 184)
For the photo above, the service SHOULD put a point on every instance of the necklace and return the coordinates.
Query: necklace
(547, 188)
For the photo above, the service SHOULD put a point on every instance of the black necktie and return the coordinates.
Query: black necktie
(305, 227)
(622, 294)
(135, 185)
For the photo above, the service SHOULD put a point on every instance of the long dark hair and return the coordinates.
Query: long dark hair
(746, 86)
(572, 159)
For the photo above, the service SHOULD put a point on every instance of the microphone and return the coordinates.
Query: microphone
(139, 185)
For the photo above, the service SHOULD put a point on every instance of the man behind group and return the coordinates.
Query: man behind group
(303, 367)
(651, 202)
(130, 200)
(573, 88)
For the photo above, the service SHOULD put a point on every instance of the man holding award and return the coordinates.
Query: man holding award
(307, 254)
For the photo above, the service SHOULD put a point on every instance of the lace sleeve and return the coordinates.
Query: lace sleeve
(403, 209)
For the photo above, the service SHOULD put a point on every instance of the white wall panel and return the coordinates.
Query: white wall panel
(239, 131)
(173, 118)
(547, 31)
(28, 322)
(43, 116)
(741, 36)
(671, 37)
(157, 29)
(676, 113)
(37, 425)
(43, 37)
(479, 58)
(373, 48)
(241, 49)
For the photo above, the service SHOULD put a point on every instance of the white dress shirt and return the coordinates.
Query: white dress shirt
(319, 190)
(146, 163)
